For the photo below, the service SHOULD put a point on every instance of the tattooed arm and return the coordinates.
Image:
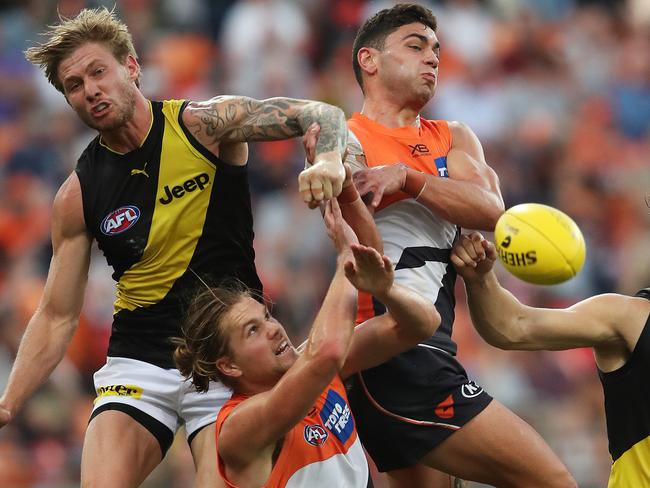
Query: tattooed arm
(225, 120)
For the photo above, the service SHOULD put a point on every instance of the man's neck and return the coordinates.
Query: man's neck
(132, 134)
(390, 113)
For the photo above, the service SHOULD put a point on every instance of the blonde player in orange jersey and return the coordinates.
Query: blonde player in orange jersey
(288, 423)
(424, 179)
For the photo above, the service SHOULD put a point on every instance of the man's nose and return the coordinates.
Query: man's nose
(432, 59)
(92, 91)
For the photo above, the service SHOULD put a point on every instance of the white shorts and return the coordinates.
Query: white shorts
(162, 400)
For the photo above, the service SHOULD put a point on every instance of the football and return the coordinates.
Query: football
(539, 244)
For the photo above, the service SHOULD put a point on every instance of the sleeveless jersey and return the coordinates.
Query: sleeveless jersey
(321, 451)
(416, 240)
(627, 410)
(162, 214)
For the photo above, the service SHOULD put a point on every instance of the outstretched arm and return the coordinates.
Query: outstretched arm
(249, 435)
(610, 323)
(230, 119)
(411, 318)
(354, 210)
(51, 327)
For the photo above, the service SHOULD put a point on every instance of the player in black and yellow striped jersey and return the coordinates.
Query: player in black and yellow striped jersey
(616, 326)
(163, 189)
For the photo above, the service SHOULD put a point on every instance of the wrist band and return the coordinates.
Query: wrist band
(422, 190)
(414, 183)
(348, 195)
(350, 203)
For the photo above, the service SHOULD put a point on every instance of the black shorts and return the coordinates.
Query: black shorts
(407, 406)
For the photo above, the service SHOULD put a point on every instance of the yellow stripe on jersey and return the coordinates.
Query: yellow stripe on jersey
(185, 182)
(632, 469)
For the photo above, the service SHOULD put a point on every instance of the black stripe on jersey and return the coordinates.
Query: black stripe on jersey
(210, 156)
(416, 257)
(110, 181)
(644, 293)
(377, 307)
(445, 304)
(223, 252)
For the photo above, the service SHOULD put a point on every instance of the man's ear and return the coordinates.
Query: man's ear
(367, 58)
(133, 67)
(227, 367)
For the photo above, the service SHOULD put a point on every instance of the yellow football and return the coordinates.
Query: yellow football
(539, 244)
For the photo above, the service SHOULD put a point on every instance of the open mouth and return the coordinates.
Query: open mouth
(100, 108)
(282, 348)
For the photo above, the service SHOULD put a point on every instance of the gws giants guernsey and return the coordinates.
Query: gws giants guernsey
(321, 451)
(160, 214)
(417, 241)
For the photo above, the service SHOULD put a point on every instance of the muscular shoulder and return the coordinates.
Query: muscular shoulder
(67, 211)
(208, 121)
(461, 133)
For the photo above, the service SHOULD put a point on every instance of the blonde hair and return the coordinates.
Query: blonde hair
(90, 25)
(206, 335)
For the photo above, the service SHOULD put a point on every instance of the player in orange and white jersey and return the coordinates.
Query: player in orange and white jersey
(425, 179)
(289, 422)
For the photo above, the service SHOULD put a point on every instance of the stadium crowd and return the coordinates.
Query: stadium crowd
(558, 91)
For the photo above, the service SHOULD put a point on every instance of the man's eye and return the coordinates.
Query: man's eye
(417, 48)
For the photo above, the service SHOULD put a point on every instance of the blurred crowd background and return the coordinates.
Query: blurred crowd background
(558, 91)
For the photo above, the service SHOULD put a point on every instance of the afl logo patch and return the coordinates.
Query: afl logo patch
(120, 220)
(315, 434)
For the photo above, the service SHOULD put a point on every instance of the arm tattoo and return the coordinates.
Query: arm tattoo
(243, 119)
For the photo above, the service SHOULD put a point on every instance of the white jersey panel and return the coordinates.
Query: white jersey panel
(408, 224)
(348, 470)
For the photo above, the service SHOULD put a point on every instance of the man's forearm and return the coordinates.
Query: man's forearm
(40, 351)
(334, 323)
(463, 203)
(414, 314)
(495, 312)
(359, 218)
(333, 134)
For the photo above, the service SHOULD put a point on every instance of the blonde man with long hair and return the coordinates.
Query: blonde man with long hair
(163, 189)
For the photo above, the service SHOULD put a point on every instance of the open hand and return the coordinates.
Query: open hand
(370, 271)
(473, 255)
(380, 181)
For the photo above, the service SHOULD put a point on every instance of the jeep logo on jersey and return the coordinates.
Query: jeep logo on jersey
(179, 191)
(336, 416)
(315, 434)
(120, 220)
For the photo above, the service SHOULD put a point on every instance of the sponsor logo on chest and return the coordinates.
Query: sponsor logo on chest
(120, 220)
(336, 416)
(199, 182)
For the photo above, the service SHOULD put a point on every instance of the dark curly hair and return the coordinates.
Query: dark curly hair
(376, 29)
